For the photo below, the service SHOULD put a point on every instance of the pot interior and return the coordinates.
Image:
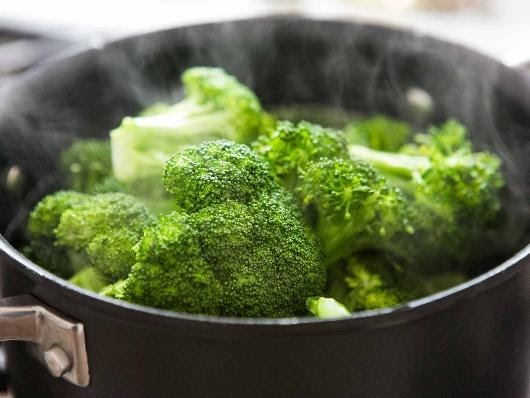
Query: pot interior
(286, 60)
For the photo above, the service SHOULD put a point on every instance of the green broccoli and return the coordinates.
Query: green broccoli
(246, 255)
(454, 196)
(42, 222)
(446, 139)
(88, 168)
(89, 278)
(149, 190)
(378, 132)
(214, 172)
(216, 105)
(326, 308)
(69, 231)
(369, 280)
(105, 226)
(353, 206)
(86, 163)
(290, 147)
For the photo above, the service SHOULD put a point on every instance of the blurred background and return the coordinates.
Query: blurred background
(31, 30)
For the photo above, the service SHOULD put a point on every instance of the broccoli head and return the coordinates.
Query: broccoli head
(69, 231)
(105, 227)
(86, 163)
(444, 140)
(214, 172)
(454, 196)
(290, 147)
(215, 105)
(42, 222)
(353, 206)
(239, 248)
(232, 259)
(369, 280)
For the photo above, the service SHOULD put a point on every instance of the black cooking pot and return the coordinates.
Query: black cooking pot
(469, 341)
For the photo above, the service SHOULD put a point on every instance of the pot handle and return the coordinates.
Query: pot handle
(55, 341)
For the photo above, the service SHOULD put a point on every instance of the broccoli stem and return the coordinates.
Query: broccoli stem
(326, 308)
(141, 145)
(391, 164)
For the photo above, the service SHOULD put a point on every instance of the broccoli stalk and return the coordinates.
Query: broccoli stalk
(378, 132)
(326, 308)
(216, 105)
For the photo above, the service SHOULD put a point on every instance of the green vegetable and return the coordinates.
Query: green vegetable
(369, 280)
(353, 206)
(105, 226)
(42, 222)
(69, 231)
(86, 163)
(216, 105)
(454, 197)
(290, 147)
(214, 172)
(310, 218)
(149, 190)
(326, 308)
(378, 132)
(88, 167)
(88, 278)
(242, 255)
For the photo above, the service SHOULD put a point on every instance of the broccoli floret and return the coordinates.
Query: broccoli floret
(105, 226)
(379, 132)
(88, 278)
(442, 281)
(369, 280)
(216, 105)
(326, 308)
(228, 259)
(214, 172)
(69, 231)
(42, 222)
(449, 138)
(148, 190)
(454, 197)
(353, 206)
(86, 163)
(100, 213)
(236, 255)
(88, 167)
(324, 115)
(290, 147)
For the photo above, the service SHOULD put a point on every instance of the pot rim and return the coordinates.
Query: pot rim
(362, 319)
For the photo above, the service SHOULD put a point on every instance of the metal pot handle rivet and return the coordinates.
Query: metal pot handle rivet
(57, 361)
(57, 342)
